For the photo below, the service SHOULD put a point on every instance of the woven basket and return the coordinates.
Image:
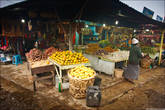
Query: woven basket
(78, 87)
(145, 63)
(119, 73)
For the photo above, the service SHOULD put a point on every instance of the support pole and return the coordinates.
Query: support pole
(161, 45)
(70, 38)
(82, 39)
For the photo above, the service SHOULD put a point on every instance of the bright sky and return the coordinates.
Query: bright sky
(4, 3)
(158, 6)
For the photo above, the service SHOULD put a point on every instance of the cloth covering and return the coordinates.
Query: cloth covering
(132, 72)
(101, 65)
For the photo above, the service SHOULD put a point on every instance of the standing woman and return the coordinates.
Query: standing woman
(132, 71)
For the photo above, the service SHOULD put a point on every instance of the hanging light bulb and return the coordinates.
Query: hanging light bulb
(134, 30)
(147, 30)
(86, 26)
(104, 25)
(23, 20)
(117, 22)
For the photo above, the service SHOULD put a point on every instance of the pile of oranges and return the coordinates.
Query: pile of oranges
(82, 72)
(68, 58)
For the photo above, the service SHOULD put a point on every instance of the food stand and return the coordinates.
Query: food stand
(36, 69)
(70, 62)
(61, 68)
(107, 63)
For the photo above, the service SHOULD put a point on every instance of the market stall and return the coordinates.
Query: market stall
(80, 78)
(40, 68)
(38, 65)
(107, 63)
(67, 60)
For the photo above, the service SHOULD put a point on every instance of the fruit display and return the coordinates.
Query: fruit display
(34, 55)
(109, 49)
(117, 56)
(37, 55)
(103, 43)
(80, 78)
(92, 48)
(82, 72)
(101, 52)
(148, 50)
(68, 58)
(95, 49)
(39, 63)
(48, 52)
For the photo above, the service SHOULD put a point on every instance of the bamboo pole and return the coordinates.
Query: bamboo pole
(161, 45)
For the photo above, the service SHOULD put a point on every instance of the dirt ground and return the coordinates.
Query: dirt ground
(15, 97)
(150, 93)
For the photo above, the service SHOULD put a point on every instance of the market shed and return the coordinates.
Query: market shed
(104, 12)
(97, 11)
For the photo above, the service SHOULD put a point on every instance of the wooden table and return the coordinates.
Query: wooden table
(41, 69)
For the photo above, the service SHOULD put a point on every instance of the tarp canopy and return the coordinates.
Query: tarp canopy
(101, 11)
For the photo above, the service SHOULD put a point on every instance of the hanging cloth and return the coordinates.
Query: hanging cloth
(25, 35)
(2, 40)
(77, 38)
(7, 42)
(74, 38)
(29, 35)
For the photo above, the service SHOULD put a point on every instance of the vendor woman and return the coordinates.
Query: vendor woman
(132, 71)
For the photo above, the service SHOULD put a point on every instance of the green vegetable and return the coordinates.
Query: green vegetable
(104, 43)
(148, 50)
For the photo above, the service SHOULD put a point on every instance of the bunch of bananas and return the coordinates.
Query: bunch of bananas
(82, 72)
(68, 58)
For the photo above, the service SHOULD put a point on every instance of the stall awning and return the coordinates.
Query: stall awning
(101, 11)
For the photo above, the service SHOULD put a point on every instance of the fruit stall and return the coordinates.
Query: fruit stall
(38, 65)
(80, 78)
(51, 60)
(107, 63)
(66, 60)
(105, 56)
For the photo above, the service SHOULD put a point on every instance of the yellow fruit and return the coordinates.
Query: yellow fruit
(82, 72)
(68, 58)
(47, 62)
